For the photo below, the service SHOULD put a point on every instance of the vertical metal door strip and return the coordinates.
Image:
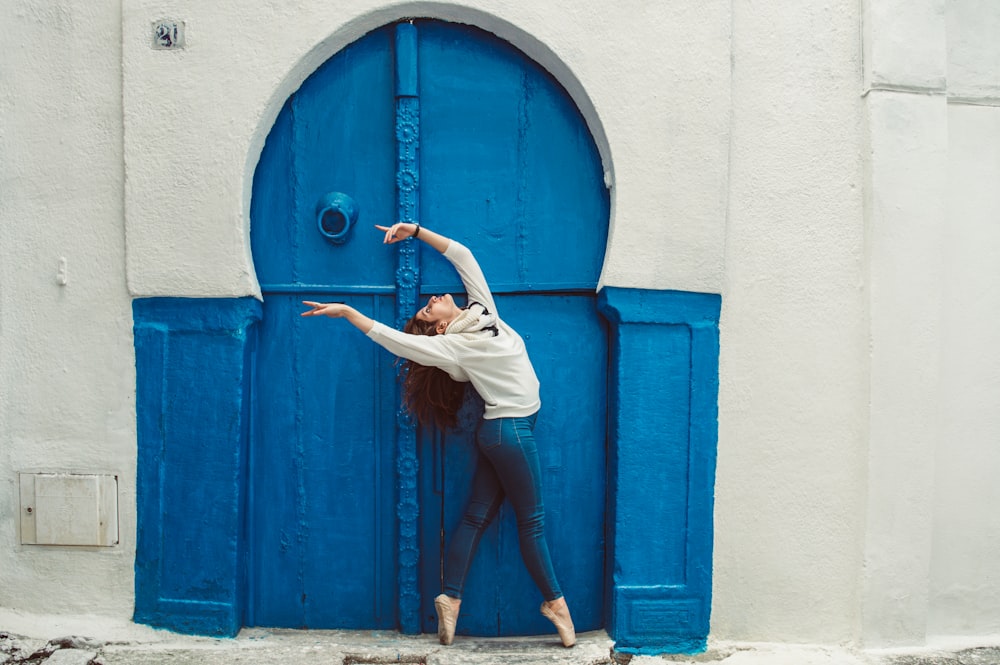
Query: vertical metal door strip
(407, 291)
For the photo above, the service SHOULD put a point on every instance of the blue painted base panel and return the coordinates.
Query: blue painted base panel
(193, 362)
(655, 620)
(663, 433)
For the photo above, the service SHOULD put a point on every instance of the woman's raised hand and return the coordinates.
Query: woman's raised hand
(396, 232)
(338, 310)
(403, 230)
(332, 309)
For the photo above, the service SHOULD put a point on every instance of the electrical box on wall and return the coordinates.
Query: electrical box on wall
(69, 509)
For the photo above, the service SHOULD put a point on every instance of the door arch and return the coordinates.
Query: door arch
(449, 125)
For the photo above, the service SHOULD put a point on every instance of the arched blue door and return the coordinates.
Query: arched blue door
(448, 125)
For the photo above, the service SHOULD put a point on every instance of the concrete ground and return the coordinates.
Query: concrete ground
(81, 641)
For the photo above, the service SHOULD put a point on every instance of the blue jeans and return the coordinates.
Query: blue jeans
(507, 467)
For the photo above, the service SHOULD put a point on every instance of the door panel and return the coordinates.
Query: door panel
(344, 142)
(508, 166)
(335, 134)
(322, 534)
(322, 519)
(568, 346)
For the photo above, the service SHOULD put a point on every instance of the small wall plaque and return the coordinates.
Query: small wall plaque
(69, 509)
(168, 34)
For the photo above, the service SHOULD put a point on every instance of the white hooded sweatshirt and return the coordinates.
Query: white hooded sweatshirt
(497, 365)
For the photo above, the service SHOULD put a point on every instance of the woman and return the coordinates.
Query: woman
(445, 346)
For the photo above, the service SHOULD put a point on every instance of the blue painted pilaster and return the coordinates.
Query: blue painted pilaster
(193, 362)
(663, 432)
(407, 292)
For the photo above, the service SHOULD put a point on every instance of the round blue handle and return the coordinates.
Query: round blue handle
(336, 214)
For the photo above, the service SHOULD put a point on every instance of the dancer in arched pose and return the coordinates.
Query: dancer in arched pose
(445, 346)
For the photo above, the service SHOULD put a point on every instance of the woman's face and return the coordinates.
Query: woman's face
(439, 310)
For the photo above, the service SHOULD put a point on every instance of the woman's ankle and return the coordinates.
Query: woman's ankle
(557, 605)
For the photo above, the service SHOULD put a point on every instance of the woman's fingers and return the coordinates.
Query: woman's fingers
(391, 232)
(334, 310)
(317, 308)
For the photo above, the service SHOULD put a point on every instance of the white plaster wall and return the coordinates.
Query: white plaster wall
(66, 359)
(931, 570)
(965, 566)
(906, 202)
(905, 185)
(964, 597)
(793, 372)
(651, 80)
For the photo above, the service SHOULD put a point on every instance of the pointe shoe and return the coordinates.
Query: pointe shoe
(563, 623)
(447, 617)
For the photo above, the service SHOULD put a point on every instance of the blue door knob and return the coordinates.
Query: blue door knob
(336, 214)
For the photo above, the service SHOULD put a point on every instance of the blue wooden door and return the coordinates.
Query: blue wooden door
(448, 125)
(321, 525)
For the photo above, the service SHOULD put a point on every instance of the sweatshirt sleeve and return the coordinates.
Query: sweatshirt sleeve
(472, 275)
(432, 351)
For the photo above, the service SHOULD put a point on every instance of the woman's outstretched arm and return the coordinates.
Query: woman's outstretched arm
(431, 351)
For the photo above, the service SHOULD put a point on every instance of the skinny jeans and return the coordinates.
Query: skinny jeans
(507, 467)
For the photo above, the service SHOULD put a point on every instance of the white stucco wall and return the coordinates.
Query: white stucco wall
(832, 194)
(906, 114)
(964, 594)
(930, 567)
(67, 381)
(965, 566)
(793, 370)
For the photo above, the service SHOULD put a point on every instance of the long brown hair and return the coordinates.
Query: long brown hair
(428, 392)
